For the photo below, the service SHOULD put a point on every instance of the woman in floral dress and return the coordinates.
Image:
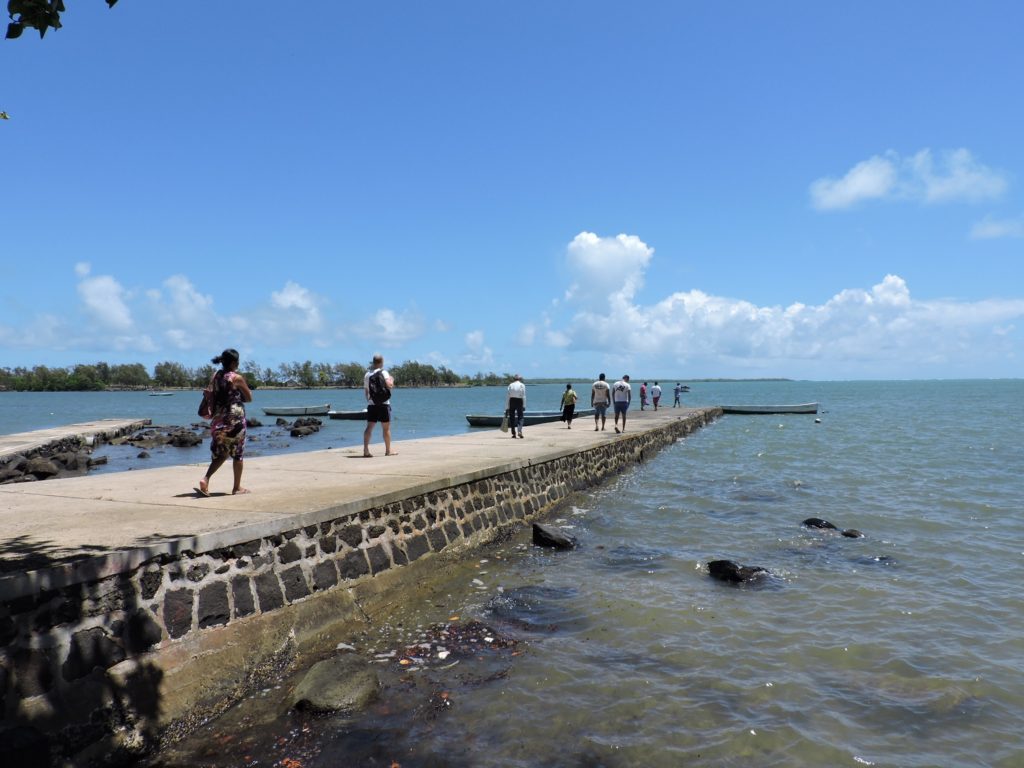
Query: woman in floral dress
(227, 425)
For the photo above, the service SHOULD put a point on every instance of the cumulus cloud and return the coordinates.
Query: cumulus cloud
(392, 329)
(103, 299)
(301, 308)
(881, 324)
(955, 176)
(606, 268)
(991, 228)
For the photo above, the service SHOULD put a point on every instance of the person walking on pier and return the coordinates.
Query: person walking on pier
(655, 394)
(569, 398)
(377, 386)
(230, 391)
(622, 394)
(676, 391)
(515, 404)
(600, 399)
(643, 396)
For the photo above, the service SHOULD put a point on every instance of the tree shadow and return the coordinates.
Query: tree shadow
(77, 683)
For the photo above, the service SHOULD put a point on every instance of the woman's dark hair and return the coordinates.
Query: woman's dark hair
(227, 356)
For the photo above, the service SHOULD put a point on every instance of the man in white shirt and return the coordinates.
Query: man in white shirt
(600, 399)
(622, 394)
(515, 404)
(655, 394)
(377, 411)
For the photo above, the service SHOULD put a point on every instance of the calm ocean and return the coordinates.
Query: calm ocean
(902, 648)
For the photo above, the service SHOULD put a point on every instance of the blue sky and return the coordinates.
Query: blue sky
(670, 189)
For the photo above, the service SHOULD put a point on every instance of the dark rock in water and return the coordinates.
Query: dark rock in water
(853, 533)
(185, 438)
(734, 573)
(252, 422)
(344, 684)
(549, 536)
(307, 421)
(304, 431)
(41, 468)
(95, 461)
(143, 455)
(281, 422)
(817, 522)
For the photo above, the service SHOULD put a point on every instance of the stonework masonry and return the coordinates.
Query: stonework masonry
(107, 665)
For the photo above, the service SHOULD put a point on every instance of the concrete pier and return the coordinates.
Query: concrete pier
(85, 432)
(124, 589)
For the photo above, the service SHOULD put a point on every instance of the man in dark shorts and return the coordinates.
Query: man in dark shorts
(600, 399)
(377, 411)
(622, 394)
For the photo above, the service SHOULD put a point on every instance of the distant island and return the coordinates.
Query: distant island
(99, 377)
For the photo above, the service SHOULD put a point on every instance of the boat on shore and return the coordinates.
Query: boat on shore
(298, 410)
(760, 409)
(350, 415)
(529, 418)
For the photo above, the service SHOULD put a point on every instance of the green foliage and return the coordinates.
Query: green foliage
(170, 374)
(40, 15)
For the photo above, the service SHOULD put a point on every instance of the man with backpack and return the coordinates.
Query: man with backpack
(377, 385)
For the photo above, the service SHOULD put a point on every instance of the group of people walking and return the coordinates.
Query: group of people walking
(603, 396)
(228, 392)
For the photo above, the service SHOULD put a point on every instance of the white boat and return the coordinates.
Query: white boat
(160, 394)
(298, 410)
(756, 409)
(351, 415)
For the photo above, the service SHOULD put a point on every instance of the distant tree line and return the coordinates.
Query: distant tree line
(168, 374)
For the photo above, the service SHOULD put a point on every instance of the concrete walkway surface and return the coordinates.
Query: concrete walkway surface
(99, 524)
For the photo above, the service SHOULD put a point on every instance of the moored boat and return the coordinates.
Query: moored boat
(298, 410)
(529, 418)
(351, 415)
(757, 409)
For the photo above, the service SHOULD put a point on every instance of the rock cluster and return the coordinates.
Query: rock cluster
(63, 458)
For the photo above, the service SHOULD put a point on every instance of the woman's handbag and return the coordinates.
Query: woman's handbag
(206, 405)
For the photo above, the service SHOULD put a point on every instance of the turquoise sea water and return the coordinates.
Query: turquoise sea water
(902, 648)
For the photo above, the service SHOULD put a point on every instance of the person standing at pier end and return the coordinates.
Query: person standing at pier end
(676, 391)
(600, 399)
(378, 405)
(655, 394)
(643, 396)
(230, 391)
(622, 394)
(569, 398)
(515, 404)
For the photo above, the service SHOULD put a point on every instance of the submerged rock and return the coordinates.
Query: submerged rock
(734, 573)
(817, 522)
(555, 538)
(344, 684)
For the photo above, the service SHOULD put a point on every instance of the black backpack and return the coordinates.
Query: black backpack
(378, 388)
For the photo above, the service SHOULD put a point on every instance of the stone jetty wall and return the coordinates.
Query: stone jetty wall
(109, 665)
(65, 456)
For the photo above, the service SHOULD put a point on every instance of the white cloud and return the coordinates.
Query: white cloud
(991, 228)
(391, 329)
(870, 179)
(301, 308)
(83, 268)
(477, 352)
(955, 176)
(104, 301)
(883, 326)
(606, 268)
